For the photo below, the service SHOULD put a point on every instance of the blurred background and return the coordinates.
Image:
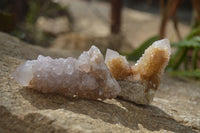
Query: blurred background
(128, 26)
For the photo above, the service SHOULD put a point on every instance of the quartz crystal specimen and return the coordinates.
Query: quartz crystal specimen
(85, 77)
(140, 81)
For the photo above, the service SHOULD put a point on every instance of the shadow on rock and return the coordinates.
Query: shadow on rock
(31, 123)
(110, 111)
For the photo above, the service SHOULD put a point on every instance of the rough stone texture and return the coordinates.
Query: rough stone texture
(136, 92)
(175, 107)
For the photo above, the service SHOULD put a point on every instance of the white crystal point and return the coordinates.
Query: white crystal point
(24, 74)
(111, 54)
(163, 44)
(86, 77)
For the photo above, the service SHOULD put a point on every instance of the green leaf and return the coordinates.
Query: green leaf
(174, 58)
(195, 57)
(136, 54)
(193, 33)
(181, 57)
(192, 43)
(189, 73)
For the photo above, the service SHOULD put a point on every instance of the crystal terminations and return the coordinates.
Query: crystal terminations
(89, 77)
(85, 77)
(139, 82)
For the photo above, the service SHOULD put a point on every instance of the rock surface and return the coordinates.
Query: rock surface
(175, 107)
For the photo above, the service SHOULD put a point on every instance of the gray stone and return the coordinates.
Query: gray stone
(136, 92)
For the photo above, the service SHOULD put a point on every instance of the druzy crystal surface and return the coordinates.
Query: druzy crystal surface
(89, 77)
(85, 77)
(140, 81)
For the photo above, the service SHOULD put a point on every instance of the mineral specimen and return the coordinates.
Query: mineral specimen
(89, 77)
(85, 77)
(139, 82)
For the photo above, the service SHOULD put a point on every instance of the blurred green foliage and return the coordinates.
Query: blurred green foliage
(186, 54)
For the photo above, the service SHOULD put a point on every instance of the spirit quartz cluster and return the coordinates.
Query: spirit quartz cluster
(140, 81)
(89, 77)
(85, 77)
